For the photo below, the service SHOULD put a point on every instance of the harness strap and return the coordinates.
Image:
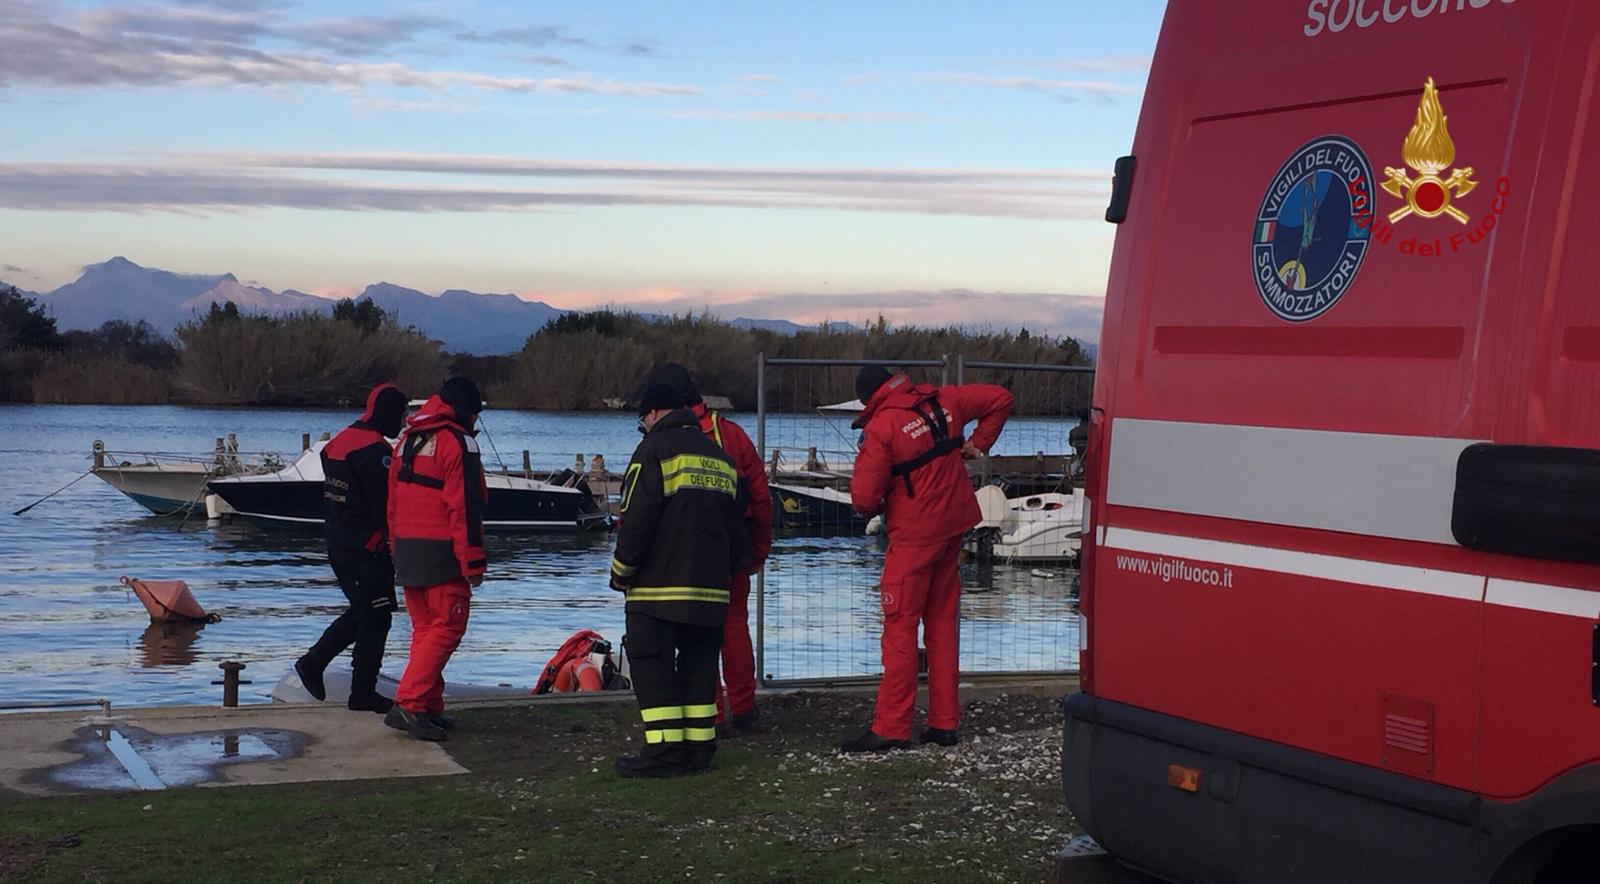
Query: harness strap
(408, 462)
(943, 444)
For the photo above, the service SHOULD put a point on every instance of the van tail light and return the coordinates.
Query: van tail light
(1093, 512)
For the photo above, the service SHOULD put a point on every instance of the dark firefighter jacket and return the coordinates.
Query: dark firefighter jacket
(683, 534)
(355, 480)
(436, 498)
(932, 501)
(731, 437)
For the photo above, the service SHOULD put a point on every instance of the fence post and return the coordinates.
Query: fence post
(961, 369)
(761, 576)
(944, 370)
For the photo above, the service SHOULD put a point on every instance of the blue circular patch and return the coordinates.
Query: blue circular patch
(387, 460)
(1311, 231)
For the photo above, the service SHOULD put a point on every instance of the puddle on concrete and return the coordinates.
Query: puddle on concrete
(126, 758)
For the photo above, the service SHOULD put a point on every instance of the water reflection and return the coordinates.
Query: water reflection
(169, 644)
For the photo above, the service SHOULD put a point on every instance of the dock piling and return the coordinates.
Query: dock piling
(230, 682)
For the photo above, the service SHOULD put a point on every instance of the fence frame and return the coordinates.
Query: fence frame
(944, 363)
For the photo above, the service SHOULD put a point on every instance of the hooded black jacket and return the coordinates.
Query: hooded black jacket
(355, 470)
(683, 532)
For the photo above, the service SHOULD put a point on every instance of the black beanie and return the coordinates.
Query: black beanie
(659, 396)
(462, 396)
(678, 378)
(869, 379)
(388, 410)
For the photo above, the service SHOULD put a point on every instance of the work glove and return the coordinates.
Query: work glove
(618, 584)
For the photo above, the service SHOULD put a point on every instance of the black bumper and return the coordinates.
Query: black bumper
(1264, 812)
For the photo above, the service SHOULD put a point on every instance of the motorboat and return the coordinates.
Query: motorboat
(170, 484)
(293, 495)
(1033, 528)
(803, 509)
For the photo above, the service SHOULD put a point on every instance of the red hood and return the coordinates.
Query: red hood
(434, 414)
(897, 392)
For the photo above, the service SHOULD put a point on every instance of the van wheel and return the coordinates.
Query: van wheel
(1578, 859)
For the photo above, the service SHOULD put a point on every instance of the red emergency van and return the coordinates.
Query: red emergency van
(1341, 576)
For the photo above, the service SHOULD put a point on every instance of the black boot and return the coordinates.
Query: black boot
(373, 702)
(940, 736)
(311, 676)
(871, 742)
(746, 721)
(448, 722)
(418, 726)
(656, 767)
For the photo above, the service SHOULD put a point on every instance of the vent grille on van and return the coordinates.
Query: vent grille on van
(1408, 741)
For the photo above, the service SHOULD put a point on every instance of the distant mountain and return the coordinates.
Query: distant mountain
(254, 299)
(785, 327)
(121, 289)
(467, 322)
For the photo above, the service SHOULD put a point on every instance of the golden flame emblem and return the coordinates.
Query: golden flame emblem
(1429, 151)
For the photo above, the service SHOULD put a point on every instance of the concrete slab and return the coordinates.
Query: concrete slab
(59, 753)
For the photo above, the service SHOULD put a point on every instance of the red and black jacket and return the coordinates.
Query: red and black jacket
(437, 494)
(747, 460)
(355, 482)
(910, 469)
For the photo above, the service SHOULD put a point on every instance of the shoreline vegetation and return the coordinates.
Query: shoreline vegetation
(577, 362)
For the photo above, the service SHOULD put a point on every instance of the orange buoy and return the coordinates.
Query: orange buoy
(570, 668)
(168, 601)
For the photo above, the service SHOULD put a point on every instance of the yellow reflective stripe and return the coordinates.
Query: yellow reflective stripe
(699, 473)
(621, 570)
(677, 594)
(716, 428)
(700, 734)
(709, 710)
(629, 479)
(661, 713)
(668, 735)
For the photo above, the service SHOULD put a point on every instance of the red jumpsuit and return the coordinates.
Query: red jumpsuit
(738, 658)
(437, 493)
(926, 511)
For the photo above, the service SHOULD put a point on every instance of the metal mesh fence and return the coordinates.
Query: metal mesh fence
(818, 610)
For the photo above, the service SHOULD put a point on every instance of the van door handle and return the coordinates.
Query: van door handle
(1594, 668)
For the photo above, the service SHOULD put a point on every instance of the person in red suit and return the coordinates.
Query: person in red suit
(738, 657)
(910, 470)
(437, 493)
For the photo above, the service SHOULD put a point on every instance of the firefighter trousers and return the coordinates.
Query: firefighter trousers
(920, 584)
(438, 621)
(368, 583)
(674, 672)
(738, 657)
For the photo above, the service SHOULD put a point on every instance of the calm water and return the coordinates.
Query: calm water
(68, 630)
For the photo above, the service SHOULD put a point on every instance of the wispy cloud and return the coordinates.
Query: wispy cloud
(1109, 64)
(212, 45)
(1063, 90)
(793, 116)
(549, 36)
(222, 182)
(760, 78)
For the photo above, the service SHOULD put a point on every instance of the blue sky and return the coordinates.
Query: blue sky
(803, 161)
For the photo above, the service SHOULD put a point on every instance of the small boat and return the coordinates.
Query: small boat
(1034, 528)
(168, 484)
(336, 687)
(293, 495)
(802, 509)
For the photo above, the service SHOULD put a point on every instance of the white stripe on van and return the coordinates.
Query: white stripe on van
(1544, 598)
(1541, 597)
(1400, 487)
(1406, 578)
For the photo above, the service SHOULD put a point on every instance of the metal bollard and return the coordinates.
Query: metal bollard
(230, 681)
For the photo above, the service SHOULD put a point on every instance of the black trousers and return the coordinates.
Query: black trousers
(368, 583)
(674, 672)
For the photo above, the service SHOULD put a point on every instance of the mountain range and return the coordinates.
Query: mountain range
(464, 321)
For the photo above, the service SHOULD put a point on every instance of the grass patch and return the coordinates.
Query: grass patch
(542, 804)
